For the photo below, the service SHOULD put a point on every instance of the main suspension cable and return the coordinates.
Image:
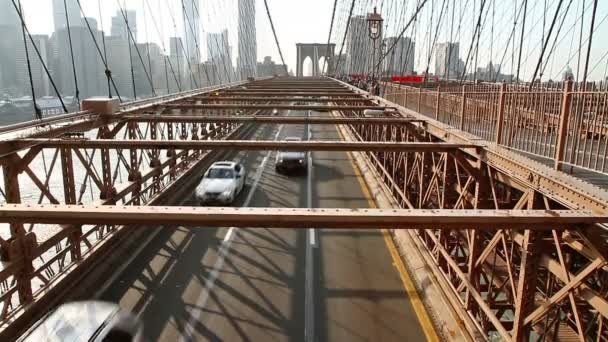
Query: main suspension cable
(274, 33)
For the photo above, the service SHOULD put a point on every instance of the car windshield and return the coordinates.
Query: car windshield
(220, 173)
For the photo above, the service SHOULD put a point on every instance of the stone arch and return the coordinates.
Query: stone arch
(315, 51)
(304, 64)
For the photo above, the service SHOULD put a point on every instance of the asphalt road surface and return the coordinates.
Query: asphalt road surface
(228, 284)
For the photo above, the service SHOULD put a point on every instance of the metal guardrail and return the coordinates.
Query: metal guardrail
(568, 127)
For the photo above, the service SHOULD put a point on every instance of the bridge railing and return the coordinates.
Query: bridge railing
(560, 127)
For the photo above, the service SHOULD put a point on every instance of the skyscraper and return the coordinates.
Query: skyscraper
(360, 47)
(401, 58)
(175, 47)
(447, 60)
(119, 26)
(218, 53)
(39, 77)
(73, 14)
(88, 64)
(191, 30)
(10, 31)
(246, 63)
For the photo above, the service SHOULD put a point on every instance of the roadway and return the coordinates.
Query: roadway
(273, 284)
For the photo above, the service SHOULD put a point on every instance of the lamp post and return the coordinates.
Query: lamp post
(374, 22)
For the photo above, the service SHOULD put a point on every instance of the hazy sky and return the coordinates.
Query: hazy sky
(295, 21)
(308, 21)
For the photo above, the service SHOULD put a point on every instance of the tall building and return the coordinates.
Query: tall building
(117, 49)
(119, 26)
(246, 62)
(360, 47)
(401, 58)
(40, 80)
(88, 63)
(10, 31)
(191, 30)
(218, 53)
(175, 47)
(447, 60)
(73, 14)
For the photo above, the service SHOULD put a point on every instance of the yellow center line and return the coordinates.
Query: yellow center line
(408, 284)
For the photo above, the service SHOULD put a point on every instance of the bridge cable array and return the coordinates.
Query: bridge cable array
(25, 32)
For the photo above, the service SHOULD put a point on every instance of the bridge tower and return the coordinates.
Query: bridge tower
(315, 51)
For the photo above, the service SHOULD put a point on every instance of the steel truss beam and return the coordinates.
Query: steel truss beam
(300, 217)
(290, 94)
(249, 145)
(277, 99)
(271, 106)
(273, 119)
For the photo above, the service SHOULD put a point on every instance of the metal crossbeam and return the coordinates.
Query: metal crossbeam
(299, 217)
(277, 99)
(290, 93)
(273, 119)
(271, 106)
(248, 145)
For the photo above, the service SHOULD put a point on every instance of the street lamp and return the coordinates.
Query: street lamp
(374, 22)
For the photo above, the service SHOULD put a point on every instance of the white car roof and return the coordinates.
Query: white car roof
(77, 321)
(224, 164)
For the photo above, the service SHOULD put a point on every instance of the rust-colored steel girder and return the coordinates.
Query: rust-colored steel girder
(286, 90)
(277, 99)
(289, 88)
(271, 106)
(245, 145)
(299, 217)
(290, 93)
(274, 119)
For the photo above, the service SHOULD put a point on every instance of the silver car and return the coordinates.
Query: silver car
(86, 321)
(221, 184)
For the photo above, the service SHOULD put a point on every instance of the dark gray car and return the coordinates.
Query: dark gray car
(291, 161)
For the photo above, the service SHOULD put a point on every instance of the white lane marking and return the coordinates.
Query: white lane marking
(201, 301)
(309, 312)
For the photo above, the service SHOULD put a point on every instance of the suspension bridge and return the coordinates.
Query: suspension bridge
(464, 205)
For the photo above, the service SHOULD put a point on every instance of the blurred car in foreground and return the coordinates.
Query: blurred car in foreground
(86, 321)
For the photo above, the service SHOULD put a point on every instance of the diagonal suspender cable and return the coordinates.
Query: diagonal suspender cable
(331, 26)
(388, 51)
(67, 20)
(275, 35)
(141, 60)
(350, 15)
(37, 110)
(46, 70)
(104, 60)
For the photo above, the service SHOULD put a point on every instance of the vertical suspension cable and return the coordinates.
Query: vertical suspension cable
(521, 41)
(350, 15)
(107, 71)
(331, 26)
(593, 14)
(67, 20)
(37, 110)
(148, 47)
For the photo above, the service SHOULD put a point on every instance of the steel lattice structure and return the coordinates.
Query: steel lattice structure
(518, 248)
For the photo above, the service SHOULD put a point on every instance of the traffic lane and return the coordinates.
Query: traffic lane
(359, 294)
(258, 292)
(154, 284)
